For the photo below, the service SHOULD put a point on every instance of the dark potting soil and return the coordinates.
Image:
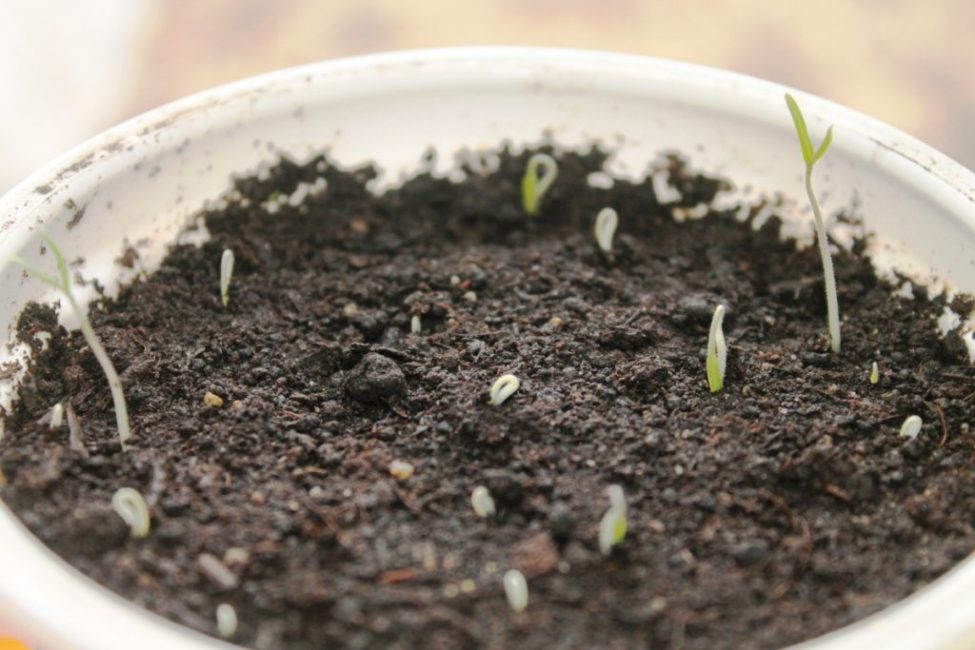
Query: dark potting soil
(779, 509)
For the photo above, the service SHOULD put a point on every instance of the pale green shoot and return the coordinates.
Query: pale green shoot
(874, 373)
(62, 283)
(534, 185)
(717, 351)
(612, 527)
(811, 156)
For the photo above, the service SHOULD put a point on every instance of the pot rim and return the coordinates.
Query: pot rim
(36, 574)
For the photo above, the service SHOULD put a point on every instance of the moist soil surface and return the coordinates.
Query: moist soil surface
(781, 508)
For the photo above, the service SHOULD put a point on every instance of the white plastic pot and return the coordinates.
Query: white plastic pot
(146, 178)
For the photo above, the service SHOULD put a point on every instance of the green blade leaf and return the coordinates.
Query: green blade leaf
(59, 259)
(800, 123)
(828, 140)
(35, 272)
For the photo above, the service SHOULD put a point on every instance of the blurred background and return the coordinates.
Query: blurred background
(70, 69)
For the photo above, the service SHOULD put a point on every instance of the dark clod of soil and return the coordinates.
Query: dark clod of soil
(779, 509)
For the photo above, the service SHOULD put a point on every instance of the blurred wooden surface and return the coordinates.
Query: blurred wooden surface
(906, 62)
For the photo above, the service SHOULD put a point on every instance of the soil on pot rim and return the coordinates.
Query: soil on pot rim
(779, 509)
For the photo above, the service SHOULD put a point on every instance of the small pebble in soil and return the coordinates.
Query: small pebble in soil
(374, 378)
(212, 399)
(400, 470)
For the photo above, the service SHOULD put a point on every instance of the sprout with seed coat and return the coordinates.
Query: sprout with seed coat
(811, 156)
(482, 502)
(911, 427)
(606, 222)
(226, 272)
(612, 527)
(62, 283)
(533, 186)
(132, 508)
(503, 388)
(516, 589)
(226, 620)
(717, 351)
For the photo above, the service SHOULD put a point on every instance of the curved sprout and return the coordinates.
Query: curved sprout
(612, 527)
(482, 502)
(62, 283)
(811, 156)
(717, 351)
(911, 427)
(516, 589)
(533, 185)
(226, 620)
(226, 272)
(606, 222)
(503, 388)
(132, 508)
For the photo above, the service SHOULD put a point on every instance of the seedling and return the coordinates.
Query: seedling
(811, 156)
(606, 222)
(717, 351)
(415, 325)
(516, 589)
(482, 502)
(226, 620)
(226, 272)
(62, 283)
(57, 416)
(132, 508)
(503, 388)
(612, 527)
(535, 185)
(874, 373)
(911, 427)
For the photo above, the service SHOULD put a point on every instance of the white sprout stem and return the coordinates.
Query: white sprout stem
(717, 355)
(874, 373)
(503, 388)
(416, 325)
(832, 304)
(606, 222)
(63, 284)
(226, 272)
(114, 383)
(226, 620)
(516, 589)
(132, 508)
(482, 502)
(534, 186)
(57, 416)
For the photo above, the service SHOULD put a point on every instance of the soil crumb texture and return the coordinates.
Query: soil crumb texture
(308, 453)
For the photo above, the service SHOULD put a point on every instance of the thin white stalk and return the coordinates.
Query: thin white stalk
(832, 304)
(114, 383)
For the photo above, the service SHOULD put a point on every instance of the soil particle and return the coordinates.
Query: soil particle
(374, 378)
